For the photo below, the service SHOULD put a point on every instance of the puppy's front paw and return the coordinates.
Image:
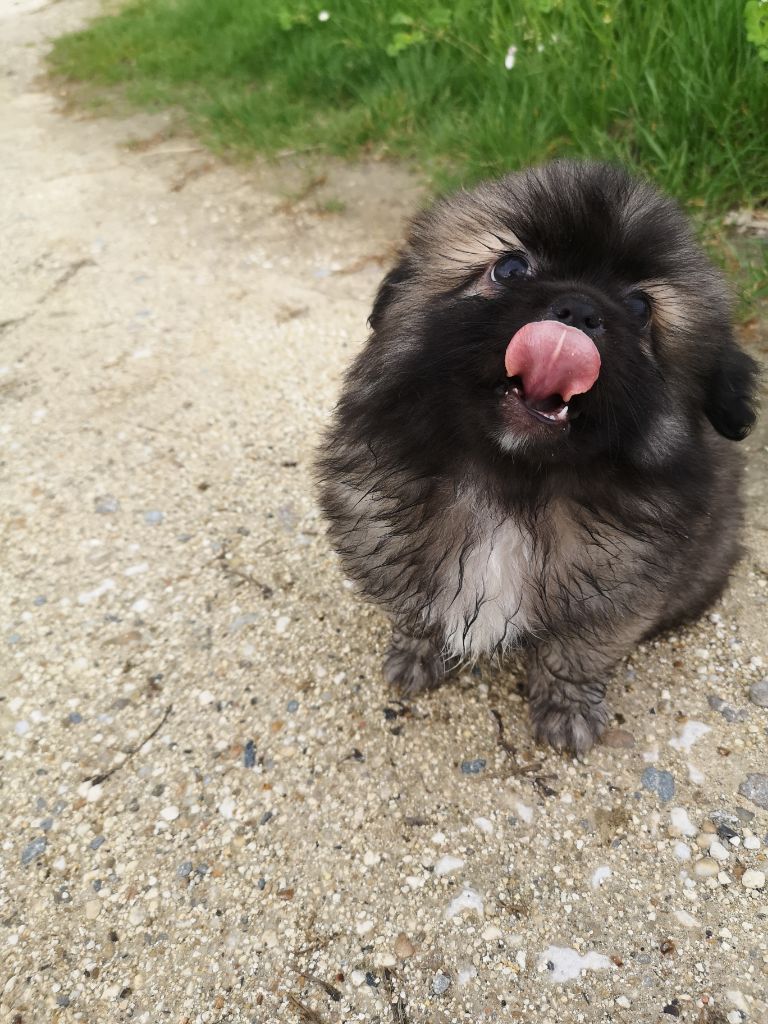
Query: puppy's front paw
(574, 727)
(412, 664)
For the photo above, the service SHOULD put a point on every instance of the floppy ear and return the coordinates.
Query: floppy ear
(730, 403)
(387, 291)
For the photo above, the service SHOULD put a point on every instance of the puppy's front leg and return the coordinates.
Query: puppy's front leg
(413, 663)
(566, 689)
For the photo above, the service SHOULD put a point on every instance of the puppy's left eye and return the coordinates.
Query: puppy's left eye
(510, 266)
(639, 305)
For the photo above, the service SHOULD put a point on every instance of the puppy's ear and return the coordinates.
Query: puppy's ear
(731, 400)
(387, 291)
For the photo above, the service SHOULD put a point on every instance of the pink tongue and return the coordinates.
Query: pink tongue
(552, 359)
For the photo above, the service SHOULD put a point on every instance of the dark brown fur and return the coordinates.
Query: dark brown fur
(475, 538)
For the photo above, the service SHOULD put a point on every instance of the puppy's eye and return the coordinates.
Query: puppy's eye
(639, 305)
(510, 266)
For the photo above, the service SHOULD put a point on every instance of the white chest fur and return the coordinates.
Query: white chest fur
(479, 606)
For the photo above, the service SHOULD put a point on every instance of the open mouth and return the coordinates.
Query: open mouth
(551, 410)
(547, 365)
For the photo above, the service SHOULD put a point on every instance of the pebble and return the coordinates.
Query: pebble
(484, 824)
(404, 948)
(755, 789)
(691, 732)
(758, 693)
(681, 824)
(249, 754)
(600, 875)
(729, 714)
(184, 870)
(473, 767)
(153, 517)
(751, 843)
(565, 963)
(136, 915)
(33, 850)
(448, 864)
(169, 813)
(107, 505)
(752, 879)
(92, 909)
(686, 919)
(618, 738)
(705, 868)
(468, 899)
(682, 851)
(718, 851)
(659, 781)
(440, 984)
(293, 705)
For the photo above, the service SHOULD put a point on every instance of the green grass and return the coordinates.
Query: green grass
(673, 89)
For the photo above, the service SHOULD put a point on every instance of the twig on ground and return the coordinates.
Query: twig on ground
(96, 780)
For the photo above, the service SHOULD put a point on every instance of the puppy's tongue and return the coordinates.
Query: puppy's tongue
(552, 359)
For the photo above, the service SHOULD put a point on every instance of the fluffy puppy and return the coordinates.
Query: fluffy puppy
(535, 446)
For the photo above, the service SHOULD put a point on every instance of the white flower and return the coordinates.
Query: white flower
(323, 16)
(509, 60)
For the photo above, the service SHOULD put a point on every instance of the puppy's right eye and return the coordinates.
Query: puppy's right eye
(510, 266)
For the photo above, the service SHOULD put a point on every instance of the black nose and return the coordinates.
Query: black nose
(576, 311)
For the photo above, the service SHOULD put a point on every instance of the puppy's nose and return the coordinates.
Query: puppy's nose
(576, 311)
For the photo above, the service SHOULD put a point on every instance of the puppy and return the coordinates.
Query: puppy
(534, 447)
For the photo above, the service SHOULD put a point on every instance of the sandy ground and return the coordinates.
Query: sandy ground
(212, 809)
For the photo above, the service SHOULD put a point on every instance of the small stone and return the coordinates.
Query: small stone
(404, 948)
(705, 868)
(752, 879)
(136, 915)
(357, 978)
(249, 754)
(184, 870)
(265, 817)
(40, 600)
(293, 705)
(74, 718)
(440, 984)
(153, 517)
(680, 823)
(623, 1002)
(686, 919)
(473, 767)
(92, 909)
(491, 933)
(447, 864)
(33, 850)
(755, 789)
(169, 813)
(62, 1001)
(226, 808)
(718, 851)
(751, 843)
(106, 505)
(659, 781)
(97, 841)
(618, 738)
(758, 693)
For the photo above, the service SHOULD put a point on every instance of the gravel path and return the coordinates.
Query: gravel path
(211, 808)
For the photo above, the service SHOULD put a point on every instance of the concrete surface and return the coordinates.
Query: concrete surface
(211, 810)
